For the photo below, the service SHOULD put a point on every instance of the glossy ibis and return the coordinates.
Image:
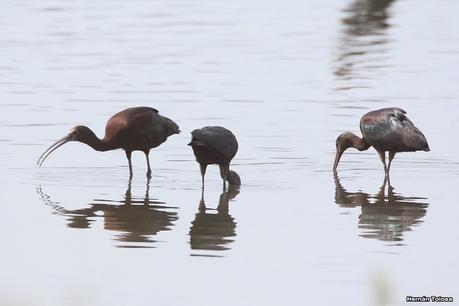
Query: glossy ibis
(133, 129)
(386, 129)
(215, 145)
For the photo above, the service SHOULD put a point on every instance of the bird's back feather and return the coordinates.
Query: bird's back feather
(139, 128)
(218, 138)
(389, 129)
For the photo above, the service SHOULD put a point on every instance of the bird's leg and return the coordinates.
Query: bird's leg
(128, 155)
(223, 204)
(382, 157)
(128, 195)
(391, 157)
(383, 187)
(146, 201)
(202, 203)
(224, 169)
(203, 172)
(148, 165)
(226, 174)
(202, 196)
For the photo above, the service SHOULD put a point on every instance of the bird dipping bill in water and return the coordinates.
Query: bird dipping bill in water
(386, 129)
(215, 145)
(133, 129)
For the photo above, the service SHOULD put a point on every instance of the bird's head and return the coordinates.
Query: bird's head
(78, 133)
(233, 178)
(343, 142)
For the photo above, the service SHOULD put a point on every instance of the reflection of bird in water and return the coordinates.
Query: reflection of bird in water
(136, 219)
(367, 17)
(214, 231)
(383, 217)
(387, 130)
(133, 129)
(364, 33)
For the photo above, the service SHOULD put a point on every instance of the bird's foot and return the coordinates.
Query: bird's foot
(149, 174)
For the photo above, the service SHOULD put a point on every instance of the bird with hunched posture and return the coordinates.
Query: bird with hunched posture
(215, 145)
(133, 129)
(387, 130)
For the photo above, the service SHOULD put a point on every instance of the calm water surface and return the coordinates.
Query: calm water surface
(286, 78)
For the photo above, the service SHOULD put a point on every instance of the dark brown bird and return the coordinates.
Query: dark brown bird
(133, 129)
(387, 130)
(215, 145)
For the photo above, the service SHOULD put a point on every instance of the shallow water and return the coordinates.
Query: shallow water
(286, 78)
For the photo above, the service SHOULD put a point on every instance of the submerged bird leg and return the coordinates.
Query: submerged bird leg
(128, 155)
(203, 168)
(382, 157)
(148, 164)
(391, 157)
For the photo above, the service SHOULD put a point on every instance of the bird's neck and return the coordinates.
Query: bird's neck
(350, 140)
(96, 143)
(359, 143)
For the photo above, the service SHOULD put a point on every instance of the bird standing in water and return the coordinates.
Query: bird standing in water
(387, 130)
(215, 145)
(133, 129)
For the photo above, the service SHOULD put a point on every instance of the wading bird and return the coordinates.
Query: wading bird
(386, 129)
(215, 145)
(133, 129)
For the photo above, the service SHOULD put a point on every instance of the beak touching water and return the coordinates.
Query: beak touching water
(53, 147)
(337, 158)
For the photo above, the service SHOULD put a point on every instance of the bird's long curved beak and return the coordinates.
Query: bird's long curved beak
(51, 149)
(337, 158)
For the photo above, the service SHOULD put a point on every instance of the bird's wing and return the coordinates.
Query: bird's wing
(218, 138)
(140, 117)
(413, 139)
(128, 120)
(390, 130)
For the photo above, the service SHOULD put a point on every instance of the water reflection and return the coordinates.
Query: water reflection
(214, 230)
(363, 39)
(384, 217)
(136, 220)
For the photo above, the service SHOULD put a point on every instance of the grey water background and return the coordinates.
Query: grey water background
(286, 77)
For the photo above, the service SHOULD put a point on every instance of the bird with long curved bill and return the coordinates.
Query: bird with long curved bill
(133, 129)
(215, 145)
(386, 130)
